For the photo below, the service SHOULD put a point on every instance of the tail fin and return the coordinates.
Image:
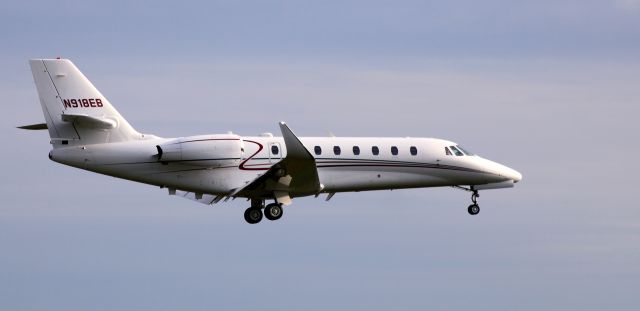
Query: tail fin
(75, 111)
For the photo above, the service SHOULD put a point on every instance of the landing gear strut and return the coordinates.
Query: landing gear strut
(474, 209)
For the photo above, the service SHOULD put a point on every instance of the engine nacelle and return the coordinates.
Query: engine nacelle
(202, 150)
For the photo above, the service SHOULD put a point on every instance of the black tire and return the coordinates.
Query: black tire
(473, 209)
(253, 215)
(273, 211)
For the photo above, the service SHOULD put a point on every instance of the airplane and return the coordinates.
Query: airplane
(87, 132)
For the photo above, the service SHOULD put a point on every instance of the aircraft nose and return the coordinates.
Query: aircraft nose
(511, 174)
(501, 172)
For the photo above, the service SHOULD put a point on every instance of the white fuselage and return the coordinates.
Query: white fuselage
(217, 164)
(87, 132)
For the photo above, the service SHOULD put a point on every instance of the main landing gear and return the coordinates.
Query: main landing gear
(253, 214)
(474, 209)
(273, 211)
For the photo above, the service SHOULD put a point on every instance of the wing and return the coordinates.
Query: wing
(295, 175)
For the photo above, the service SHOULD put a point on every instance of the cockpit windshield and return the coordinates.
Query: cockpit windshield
(457, 150)
(465, 151)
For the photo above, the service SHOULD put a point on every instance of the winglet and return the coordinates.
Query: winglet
(300, 174)
(299, 163)
(295, 148)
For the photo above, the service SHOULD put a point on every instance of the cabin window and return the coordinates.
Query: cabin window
(447, 151)
(274, 149)
(394, 150)
(356, 150)
(413, 150)
(336, 150)
(317, 150)
(456, 151)
(375, 150)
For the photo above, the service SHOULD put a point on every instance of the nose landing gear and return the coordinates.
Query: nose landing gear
(474, 209)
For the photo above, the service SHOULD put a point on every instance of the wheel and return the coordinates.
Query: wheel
(253, 215)
(473, 209)
(273, 211)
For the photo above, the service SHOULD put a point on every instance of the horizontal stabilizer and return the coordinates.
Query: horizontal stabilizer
(84, 120)
(34, 127)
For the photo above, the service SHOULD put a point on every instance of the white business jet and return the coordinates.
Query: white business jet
(87, 132)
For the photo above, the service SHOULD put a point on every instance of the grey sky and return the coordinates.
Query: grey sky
(547, 87)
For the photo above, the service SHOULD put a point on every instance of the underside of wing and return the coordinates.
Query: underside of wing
(207, 199)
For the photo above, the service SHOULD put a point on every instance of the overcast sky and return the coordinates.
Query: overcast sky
(550, 88)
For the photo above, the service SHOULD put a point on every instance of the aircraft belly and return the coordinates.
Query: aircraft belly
(205, 180)
(213, 181)
(362, 179)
